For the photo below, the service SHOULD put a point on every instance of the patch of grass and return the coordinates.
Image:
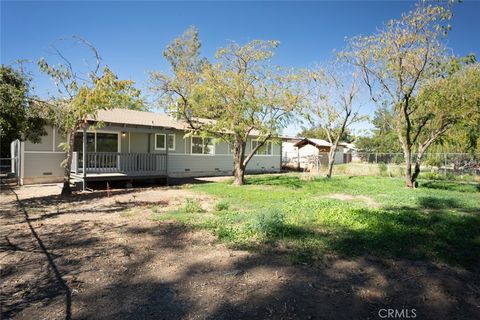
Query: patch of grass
(451, 186)
(192, 206)
(185, 214)
(176, 215)
(269, 223)
(222, 206)
(439, 221)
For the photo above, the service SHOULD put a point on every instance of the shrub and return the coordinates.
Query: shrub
(192, 206)
(269, 223)
(222, 206)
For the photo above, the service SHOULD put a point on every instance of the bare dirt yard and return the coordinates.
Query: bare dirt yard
(99, 256)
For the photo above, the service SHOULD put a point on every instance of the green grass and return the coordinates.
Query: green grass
(439, 221)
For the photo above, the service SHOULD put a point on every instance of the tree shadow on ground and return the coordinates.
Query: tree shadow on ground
(451, 186)
(161, 271)
(264, 286)
(51, 278)
(427, 231)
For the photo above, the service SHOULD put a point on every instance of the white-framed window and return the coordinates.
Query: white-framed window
(160, 141)
(171, 141)
(201, 145)
(265, 150)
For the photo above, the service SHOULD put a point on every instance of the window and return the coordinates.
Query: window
(107, 142)
(202, 145)
(171, 141)
(96, 142)
(160, 141)
(264, 150)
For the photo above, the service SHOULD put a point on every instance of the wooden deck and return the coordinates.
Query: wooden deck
(104, 166)
(111, 176)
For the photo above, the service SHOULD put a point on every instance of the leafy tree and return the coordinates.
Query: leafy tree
(81, 97)
(319, 133)
(383, 138)
(18, 120)
(238, 96)
(443, 103)
(331, 106)
(396, 62)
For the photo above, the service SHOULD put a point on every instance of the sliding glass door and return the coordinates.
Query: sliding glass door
(102, 149)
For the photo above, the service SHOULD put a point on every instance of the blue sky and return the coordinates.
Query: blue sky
(131, 36)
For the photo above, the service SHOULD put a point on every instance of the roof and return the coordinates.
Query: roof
(315, 142)
(135, 117)
(146, 118)
(290, 138)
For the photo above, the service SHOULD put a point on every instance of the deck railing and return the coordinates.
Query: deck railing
(116, 162)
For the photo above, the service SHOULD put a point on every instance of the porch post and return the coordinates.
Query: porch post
(298, 158)
(166, 158)
(84, 158)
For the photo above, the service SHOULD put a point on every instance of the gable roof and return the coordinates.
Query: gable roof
(314, 142)
(141, 118)
(149, 119)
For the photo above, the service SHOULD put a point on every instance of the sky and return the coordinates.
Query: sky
(131, 35)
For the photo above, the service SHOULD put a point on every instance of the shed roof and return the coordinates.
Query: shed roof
(314, 142)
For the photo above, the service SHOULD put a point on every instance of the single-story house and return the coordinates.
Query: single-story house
(302, 152)
(135, 145)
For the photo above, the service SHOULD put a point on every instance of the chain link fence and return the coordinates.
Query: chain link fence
(434, 165)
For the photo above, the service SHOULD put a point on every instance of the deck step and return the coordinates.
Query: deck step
(75, 183)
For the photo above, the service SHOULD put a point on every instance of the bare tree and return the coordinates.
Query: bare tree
(395, 62)
(331, 104)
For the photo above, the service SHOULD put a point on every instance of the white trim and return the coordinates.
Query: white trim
(266, 142)
(198, 154)
(171, 154)
(203, 147)
(174, 141)
(44, 151)
(164, 142)
(129, 134)
(53, 147)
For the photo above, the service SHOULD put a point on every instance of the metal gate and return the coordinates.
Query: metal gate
(10, 167)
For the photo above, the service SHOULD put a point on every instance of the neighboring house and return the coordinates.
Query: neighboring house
(135, 145)
(303, 152)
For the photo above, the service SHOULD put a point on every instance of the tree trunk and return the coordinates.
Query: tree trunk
(418, 161)
(410, 183)
(239, 173)
(238, 165)
(66, 190)
(331, 162)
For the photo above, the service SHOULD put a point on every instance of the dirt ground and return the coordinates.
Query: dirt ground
(95, 256)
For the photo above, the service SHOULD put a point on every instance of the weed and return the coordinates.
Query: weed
(222, 206)
(192, 206)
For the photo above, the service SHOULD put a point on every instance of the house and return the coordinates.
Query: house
(302, 152)
(135, 145)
